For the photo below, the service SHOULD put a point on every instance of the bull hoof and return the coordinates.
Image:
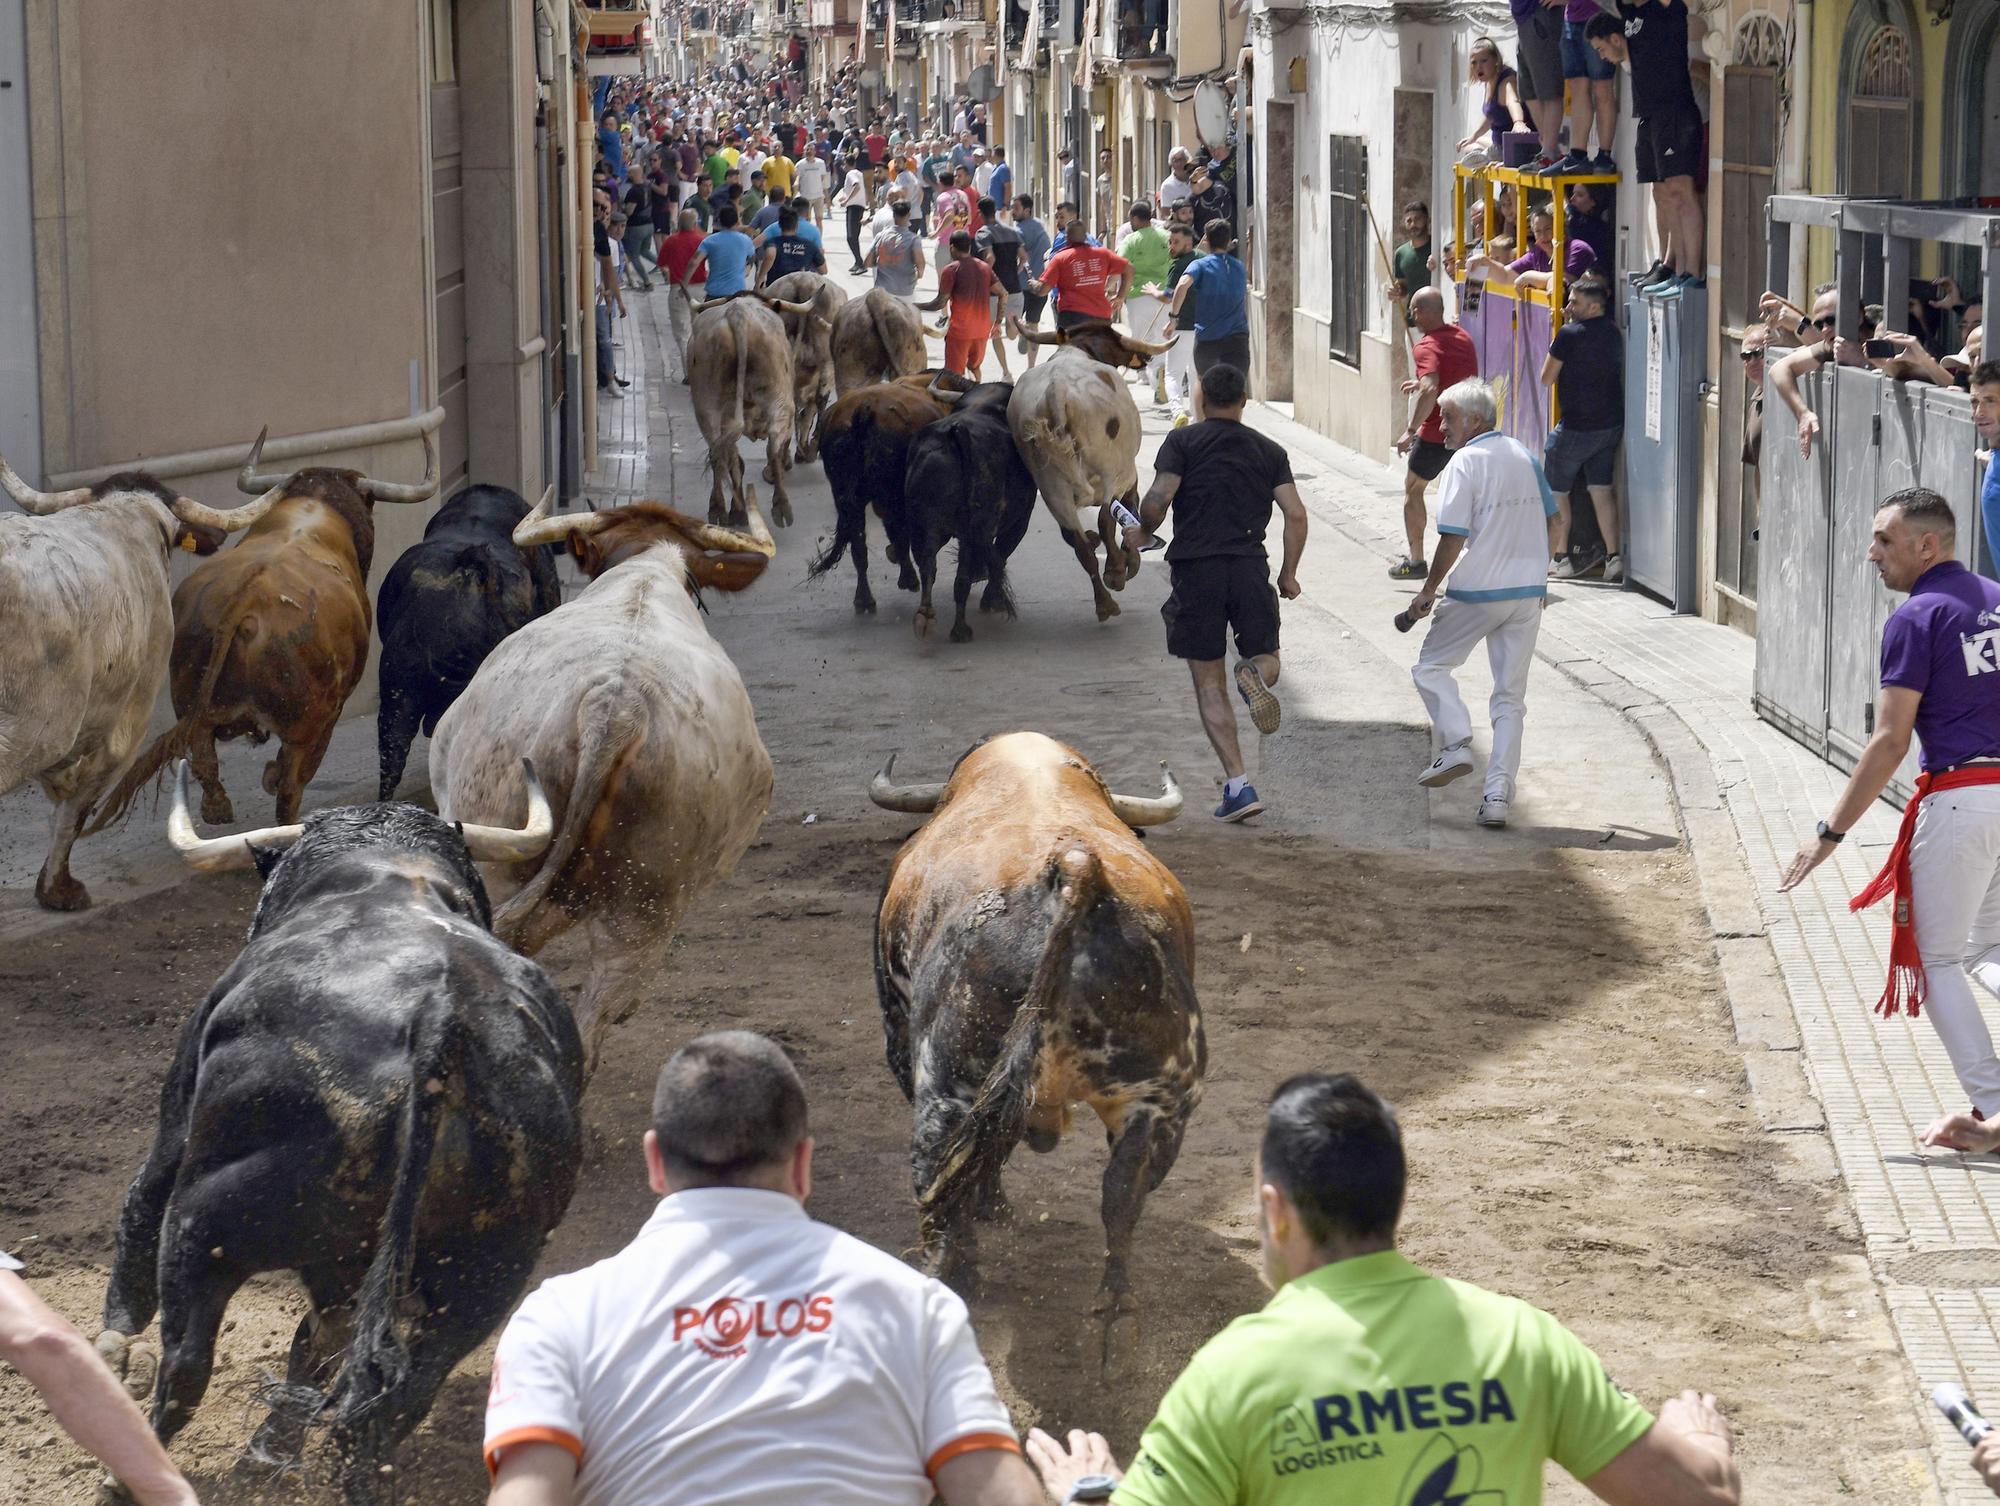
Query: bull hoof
(922, 622)
(864, 606)
(1131, 563)
(1118, 1334)
(770, 472)
(136, 1365)
(961, 632)
(717, 515)
(906, 579)
(217, 811)
(64, 893)
(737, 518)
(892, 554)
(995, 1210)
(1106, 607)
(781, 512)
(270, 780)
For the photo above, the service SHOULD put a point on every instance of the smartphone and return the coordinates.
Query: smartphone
(1881, 350)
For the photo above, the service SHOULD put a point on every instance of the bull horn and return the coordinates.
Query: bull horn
(402, 491)
(248, 480)
(227, 520)
(1036, 337)
(916, 799)
(539, 528)
(953, 398)
(729, 541)
(709, 303)
(505, 844)
(1138, 810)
(218, 854)
(803, 306)
(1145, 348)
(36, 502)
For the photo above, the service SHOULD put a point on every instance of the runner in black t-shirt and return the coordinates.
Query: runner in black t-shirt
(786, 251)
(1653, 37)
(1586, 366)
(1221, 478)
(1001, 247)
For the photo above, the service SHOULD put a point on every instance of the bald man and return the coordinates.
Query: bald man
(1444, 357)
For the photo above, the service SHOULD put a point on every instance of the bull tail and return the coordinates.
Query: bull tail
(173, 744)
(840, 453)
(599, 754)
(377, 1362)
(887, 341)
(742, 372)
(990, 1127)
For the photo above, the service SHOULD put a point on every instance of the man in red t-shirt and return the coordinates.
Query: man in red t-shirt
(968, 283)
(1080, 275)
(878, 146)
(677, 254)
(1445, 355)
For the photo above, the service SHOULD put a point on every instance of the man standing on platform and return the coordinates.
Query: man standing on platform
(1940, 681)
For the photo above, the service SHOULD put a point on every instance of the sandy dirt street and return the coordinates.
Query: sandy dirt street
(1542, 1005)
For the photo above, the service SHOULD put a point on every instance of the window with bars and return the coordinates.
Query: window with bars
(1347, 175)
(1879, 119)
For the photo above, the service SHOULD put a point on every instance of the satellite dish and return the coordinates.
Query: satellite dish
(981, 85)
(1211, 113)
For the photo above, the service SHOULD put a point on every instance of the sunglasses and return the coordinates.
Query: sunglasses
(1747, 356)
(1826, 323)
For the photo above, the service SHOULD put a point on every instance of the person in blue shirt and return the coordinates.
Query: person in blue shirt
(727, 253)
(612, 144)
(1221, 307)
(1986, 420)
(806, 227)
(1001, 185)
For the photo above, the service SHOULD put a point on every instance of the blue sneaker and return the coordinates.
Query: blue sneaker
(1236, 807)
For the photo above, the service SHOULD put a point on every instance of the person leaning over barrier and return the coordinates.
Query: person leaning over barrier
(737, 1350)
(85, 1397)
(1367, 1379)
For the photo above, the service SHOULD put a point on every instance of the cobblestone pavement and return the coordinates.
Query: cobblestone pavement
(1748, 796)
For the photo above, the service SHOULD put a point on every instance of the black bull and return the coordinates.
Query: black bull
(444, 604)
(377, 1095)
(966, 481)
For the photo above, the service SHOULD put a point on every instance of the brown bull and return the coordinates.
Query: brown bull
(270, 637)
(876, 338)
(1103, 342)
(1032, 954)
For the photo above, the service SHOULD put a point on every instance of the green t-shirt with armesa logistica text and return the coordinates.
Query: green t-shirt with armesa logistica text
(1372, 1381)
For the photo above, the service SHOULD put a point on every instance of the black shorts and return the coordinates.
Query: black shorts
(1428, 458)
(1067, 320)
(1213, 594)
(1670, 146)
(1033, 307)
(1230, 350)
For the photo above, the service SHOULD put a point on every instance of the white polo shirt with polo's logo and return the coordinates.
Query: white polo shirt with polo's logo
(738, 1351)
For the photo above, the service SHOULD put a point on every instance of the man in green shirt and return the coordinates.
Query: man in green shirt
(1412, 261)
(753, 197)
(1366, 1379)
(1146, 248)
(716, 166)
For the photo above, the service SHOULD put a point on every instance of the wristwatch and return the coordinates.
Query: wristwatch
(1092, 1488)
(1828, 834)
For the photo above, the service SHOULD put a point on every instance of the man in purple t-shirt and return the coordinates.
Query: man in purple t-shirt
(1940, 680)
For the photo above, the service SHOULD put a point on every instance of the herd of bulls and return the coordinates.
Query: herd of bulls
(383, 1092)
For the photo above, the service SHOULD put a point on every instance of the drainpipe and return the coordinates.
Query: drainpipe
(1792, 172)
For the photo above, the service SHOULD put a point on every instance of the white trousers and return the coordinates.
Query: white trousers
(680, 323)
(1146, 318)
(1180, 373)
(1508, 629)
(1955, 903)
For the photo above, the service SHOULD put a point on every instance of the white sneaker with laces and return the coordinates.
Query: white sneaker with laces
(1450, 764)
(1492, 811)
(1566, 568)
(1614, 567)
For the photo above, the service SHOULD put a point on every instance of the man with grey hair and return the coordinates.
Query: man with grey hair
(737, 1349)
(1497, 522)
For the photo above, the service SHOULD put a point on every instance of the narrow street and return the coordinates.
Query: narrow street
(1544, 1005)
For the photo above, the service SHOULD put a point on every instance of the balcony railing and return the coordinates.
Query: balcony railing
(1140, 30)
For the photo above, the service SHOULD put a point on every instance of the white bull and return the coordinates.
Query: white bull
(1078, 430)
(641, 731)
(739, 365)
(86, 630)
(812, 350)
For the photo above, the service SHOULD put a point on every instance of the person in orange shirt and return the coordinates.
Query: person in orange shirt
(967, 283)
(1082, 278)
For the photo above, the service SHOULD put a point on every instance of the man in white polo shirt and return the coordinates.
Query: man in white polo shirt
(738, 1353)
(1496, 525)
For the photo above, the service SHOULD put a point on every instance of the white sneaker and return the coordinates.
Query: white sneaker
(1492, 811)
(1452, 763)
(1614, 567)
(1565, 568)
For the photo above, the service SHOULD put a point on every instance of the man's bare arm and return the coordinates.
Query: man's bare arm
(1153, 510)
(1683, 1460)
(989, 1477)
(534, 1474)
(1294, 511)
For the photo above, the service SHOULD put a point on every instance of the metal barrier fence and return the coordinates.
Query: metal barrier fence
(1821, 605)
